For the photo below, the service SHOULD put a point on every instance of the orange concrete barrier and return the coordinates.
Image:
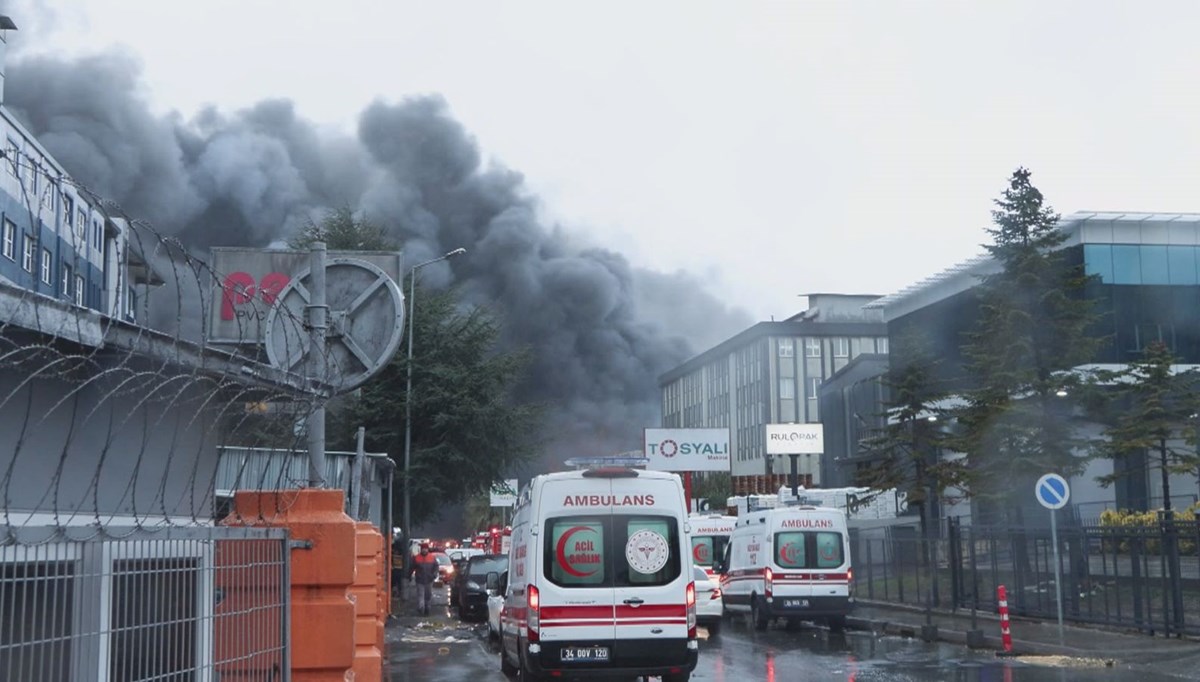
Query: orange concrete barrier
(368, 604)
(323, 615)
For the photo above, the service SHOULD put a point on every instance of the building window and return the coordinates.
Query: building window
(1182, 263)
(1127, 264)
(814, 385)
(68, 208)
(27, 252)
(841, 348)
(78, 289)
(787, 389)
(787, 348)
(97, 239)
(81, 223)
(13, 160)
(1146, 334)
(48, 194)
(881, 345)
(812, 348)
(66, 280)
(10, 240)
(47, 261)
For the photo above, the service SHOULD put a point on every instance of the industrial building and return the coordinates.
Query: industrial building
(770, 373)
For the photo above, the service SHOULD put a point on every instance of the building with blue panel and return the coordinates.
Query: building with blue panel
(1146, 289)
(56, 239)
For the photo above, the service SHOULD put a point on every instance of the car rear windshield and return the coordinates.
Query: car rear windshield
(611, 551)
(706, 548)
(796, 549)
(479, 566)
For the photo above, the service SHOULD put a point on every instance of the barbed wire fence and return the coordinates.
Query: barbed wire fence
(123, 427)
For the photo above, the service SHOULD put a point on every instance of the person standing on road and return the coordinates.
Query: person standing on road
(424, 572)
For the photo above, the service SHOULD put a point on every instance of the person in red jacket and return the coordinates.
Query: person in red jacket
(424, 572)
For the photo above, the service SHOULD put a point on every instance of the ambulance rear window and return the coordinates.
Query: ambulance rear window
(576, 555)
(612, 551)
(807, 549)
(706, 548)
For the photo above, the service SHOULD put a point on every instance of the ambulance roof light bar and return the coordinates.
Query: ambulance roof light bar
(579, 463)
(610, 472)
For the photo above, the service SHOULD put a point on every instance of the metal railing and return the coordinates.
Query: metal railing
(139, 605)
(1142, 577)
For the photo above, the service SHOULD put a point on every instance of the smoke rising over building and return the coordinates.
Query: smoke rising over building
(601, 330)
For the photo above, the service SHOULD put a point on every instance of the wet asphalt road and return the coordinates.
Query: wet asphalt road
(440, 649)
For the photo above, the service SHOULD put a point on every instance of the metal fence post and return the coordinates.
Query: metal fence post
(1135, 541)
(1171, 556)
(870, 571)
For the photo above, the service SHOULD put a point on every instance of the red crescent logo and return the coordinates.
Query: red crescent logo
(560, 552)
(789, 553)
(700, 552)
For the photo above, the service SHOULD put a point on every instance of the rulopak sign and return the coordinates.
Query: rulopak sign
(686, 449)
(247, 283)
(795, 439)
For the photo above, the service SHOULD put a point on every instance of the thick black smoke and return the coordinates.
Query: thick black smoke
(601, 330)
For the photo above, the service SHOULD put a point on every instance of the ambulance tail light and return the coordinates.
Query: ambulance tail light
(691, 610)
(769, 582)
(850, 582)
(534, 620)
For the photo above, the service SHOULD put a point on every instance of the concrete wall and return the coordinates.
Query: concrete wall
(146, 441)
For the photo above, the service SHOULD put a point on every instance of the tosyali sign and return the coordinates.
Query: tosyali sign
(686, 449)
(795, 439)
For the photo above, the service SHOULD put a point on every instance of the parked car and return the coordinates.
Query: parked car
(461, 554)
(471, 592)
(709, 608)
(445, 569)
(495, 606)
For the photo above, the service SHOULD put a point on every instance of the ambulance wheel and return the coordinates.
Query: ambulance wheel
(758, 616)
(523, 674)
(837, 624)
(713, 627)
(507, 668)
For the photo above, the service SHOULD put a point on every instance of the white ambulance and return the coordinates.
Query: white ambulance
(789, 562)
(710, 533)
(600, 578)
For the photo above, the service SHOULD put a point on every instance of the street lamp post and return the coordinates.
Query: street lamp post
(412, 293)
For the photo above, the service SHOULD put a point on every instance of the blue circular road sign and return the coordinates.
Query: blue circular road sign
(1052, 491)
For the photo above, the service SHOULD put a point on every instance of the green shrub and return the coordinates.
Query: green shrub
(1133, 523)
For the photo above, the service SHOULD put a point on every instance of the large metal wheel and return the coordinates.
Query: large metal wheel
(365, 324)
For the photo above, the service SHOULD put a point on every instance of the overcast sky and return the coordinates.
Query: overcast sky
(774, 148)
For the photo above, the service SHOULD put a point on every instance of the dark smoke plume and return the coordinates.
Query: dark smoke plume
(601, 330)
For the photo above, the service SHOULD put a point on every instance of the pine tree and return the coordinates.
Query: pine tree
(1157, 408)
(342, 230)
(908, 448)
(1031, 331)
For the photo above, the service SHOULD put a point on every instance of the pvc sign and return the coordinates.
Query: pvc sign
(504, 493)
(686, 449)
(795, 439)
(247, 282)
